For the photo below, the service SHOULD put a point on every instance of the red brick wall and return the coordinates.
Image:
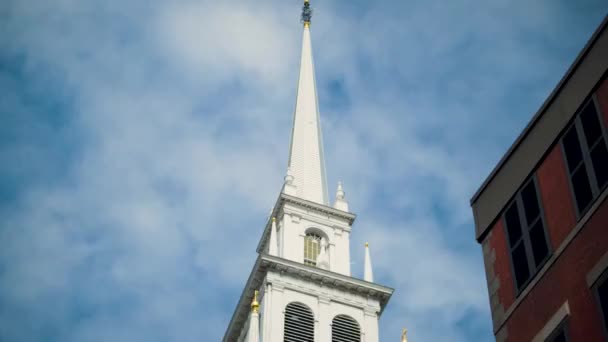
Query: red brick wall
(502, 268)
(602, 96)
(556, 196)
(566, 280)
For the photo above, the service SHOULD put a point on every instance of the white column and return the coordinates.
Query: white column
(281, 236)
(277, 314)
(254, 327)
(332, 257)
(370, 327)
(324, 320)
(267, 313)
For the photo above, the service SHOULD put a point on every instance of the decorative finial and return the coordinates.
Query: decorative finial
(340, 192)
(306, 13)
(274, 219)
(341, 203)
(404, 335)
(255, 306)
(289, 177)
(368, 273)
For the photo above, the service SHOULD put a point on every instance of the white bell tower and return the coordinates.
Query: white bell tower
(302, 275)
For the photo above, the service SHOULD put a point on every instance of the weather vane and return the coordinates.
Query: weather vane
(306, 13)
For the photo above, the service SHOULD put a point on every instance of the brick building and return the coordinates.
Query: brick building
(542, 215)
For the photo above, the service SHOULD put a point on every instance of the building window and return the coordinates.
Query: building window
(345, 329)
(586, 153)
(560, 334)
(312, 247)
(526, 234)
(601, 291)
(299, 323)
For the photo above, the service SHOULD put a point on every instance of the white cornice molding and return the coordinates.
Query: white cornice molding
(265, 263)
(279, 206)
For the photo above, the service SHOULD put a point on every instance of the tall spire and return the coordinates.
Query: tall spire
(306, 161)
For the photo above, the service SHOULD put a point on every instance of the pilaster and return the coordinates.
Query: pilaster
(277, 314)
(370, 329)
(324, 320)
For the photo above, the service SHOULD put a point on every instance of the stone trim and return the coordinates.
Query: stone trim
(597, 270)
(315, 207)
(266, 262)
(558, 317)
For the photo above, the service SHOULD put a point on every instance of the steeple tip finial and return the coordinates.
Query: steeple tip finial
(306, 13)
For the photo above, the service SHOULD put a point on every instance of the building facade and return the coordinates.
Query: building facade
(542, 214)
(301, 288)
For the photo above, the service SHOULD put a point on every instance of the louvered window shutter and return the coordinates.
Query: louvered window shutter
(299, 323)
(345, 329)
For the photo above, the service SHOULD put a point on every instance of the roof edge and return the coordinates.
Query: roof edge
(350, 217)
(262, 265)
(552, 96)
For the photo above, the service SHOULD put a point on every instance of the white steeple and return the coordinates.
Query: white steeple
(368, 274)
(306, 161)
(303, 271)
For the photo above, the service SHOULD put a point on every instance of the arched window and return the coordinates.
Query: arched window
(312, 246)
(345, 329)
(299, 323)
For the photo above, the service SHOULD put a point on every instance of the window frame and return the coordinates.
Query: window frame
(318, 237)
(596, 294)
(301, 310)
(586, 155)
(562, 327)
(525, 232)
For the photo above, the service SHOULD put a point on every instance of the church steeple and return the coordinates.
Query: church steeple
(302, 274)
(306, 160)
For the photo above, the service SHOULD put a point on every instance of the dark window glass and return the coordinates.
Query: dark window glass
(602, 292)
(539, 243)
(572, 147)
(513, 225)
(525, 230)
(599, 157)
(591, 123)
(587, 156)
(582, 188)
(528, 196)
(561, 337)
(520, 264)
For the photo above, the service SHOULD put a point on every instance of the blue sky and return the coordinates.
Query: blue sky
(143, 144)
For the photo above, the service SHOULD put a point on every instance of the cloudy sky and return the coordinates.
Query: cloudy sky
(143, 144)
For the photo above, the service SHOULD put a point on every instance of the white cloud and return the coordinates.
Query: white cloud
(181, 111)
